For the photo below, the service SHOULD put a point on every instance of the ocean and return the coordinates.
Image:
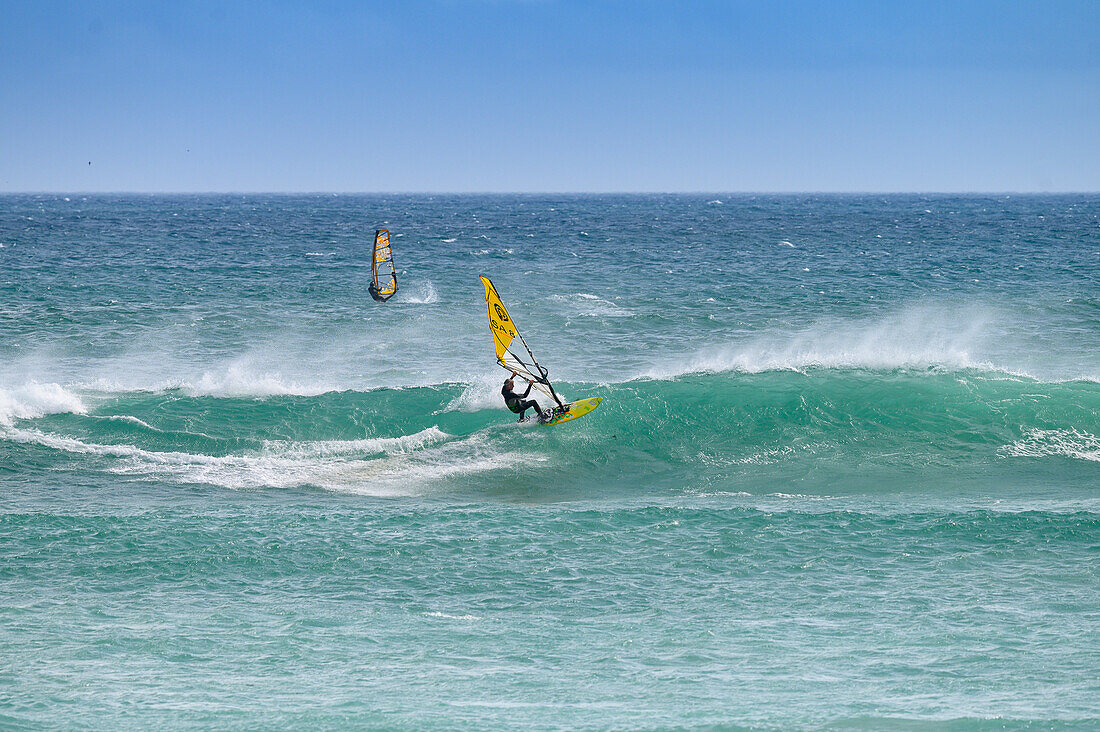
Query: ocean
(846, 473)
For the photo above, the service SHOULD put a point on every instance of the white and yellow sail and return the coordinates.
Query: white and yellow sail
(505, 336)
(382, 270)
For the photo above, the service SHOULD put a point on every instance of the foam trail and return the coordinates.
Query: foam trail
(368, 446)
(128, 419)
(407, 465)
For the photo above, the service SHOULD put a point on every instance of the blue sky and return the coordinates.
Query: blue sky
(540, 95)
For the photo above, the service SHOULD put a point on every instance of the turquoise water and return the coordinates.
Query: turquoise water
(846, 473)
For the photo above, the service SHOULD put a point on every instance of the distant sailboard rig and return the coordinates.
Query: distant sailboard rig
(383, 274)
(524, 363)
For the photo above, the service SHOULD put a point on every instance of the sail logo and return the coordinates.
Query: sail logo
(500, 312)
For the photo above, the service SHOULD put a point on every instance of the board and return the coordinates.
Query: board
(572, 410)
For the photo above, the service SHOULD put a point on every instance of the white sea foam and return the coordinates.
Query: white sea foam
(380, 467)
(367, 446)
(408, 474)
(583, 304)
(34, 400)
(1071, 443)
(438, 614)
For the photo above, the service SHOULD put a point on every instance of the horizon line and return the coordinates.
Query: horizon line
(553, 193)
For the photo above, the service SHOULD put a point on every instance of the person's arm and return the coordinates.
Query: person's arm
(530, 385)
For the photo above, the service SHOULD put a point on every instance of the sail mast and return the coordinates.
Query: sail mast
(542, 372)
(374, 261)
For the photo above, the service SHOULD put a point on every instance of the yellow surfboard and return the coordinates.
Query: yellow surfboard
(572, 410)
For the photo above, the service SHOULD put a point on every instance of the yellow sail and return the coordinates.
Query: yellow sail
(382, 269)
(504, 330)
(504, 334)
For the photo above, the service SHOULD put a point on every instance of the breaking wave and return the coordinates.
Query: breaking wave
(728, 430)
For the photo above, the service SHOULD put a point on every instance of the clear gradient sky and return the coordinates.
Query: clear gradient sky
(548, 95)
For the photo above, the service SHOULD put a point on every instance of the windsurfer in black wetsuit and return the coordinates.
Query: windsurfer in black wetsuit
(516, 401)
(373, 290)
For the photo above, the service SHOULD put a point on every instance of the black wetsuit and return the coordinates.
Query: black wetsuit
(379, 296)
(516, 401)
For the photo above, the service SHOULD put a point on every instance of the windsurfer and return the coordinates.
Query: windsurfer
(377, 295)
(516, 401)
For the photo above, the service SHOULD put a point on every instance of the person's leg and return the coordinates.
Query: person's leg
(524, 406)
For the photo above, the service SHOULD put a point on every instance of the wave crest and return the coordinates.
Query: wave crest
(34, 400)
(919, 338)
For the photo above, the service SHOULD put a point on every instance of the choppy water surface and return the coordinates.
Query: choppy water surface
(847, 472)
